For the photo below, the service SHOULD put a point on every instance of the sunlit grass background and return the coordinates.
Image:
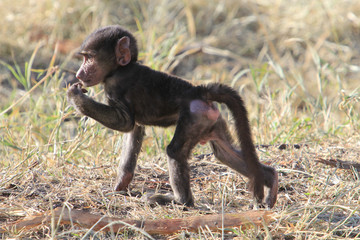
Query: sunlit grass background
(296, 63)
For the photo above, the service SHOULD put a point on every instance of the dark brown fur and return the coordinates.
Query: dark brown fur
(138, 96)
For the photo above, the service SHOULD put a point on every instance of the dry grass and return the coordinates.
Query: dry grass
(296, 63)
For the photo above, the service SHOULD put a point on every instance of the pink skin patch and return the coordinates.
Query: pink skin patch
(207, 109)
(199, 106)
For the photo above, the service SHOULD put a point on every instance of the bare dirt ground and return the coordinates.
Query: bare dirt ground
(309, 191)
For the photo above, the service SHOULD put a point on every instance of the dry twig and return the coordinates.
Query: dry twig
(339, 163)
(159, 226)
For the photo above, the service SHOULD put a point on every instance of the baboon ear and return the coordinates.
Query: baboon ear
(122, 51)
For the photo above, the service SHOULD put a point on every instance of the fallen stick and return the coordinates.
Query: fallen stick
(339, 163)
(85, 219)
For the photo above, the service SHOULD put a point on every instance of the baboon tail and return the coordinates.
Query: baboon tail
(227, 95)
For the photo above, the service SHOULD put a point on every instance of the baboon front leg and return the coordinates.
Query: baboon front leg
(131, 147)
